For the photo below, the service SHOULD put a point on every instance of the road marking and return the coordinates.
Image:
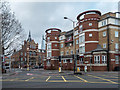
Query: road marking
(56, 81)
(81, 78)
(103, 79)
(64, 79)
(30, 79)
(74, 81)
(100, 82)
(14, 79)
(109, 76)
(48, 78)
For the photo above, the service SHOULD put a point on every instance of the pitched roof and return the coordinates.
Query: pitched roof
(99, 48)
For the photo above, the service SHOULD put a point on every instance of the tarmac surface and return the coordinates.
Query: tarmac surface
(39, 78)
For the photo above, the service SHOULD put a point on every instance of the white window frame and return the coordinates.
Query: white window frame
(64, 61)
(21, 59)
(82, 49)
(25, 59)
(104, 33)
(80, 39)
(71, 60)
(90, 24)
(71, 51)
(116, 21)
(90, 35)
(61, 45)
(48, 62)
(116, 59)
(25, 53)
(77, 41)
(49, 46)
(67, 53)
(81, 61)
(104, 59)
(48, 54)
(116, 46)
(116, 34)
(48, 38)
(104, 45)
(96, 61)
(55, 45)
(55, 37)
(81, 28)
(83, 38)
(62, 53)
(21, 53)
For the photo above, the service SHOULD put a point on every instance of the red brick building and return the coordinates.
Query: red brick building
(28, 55)
(97, 42)
(52, 48)
(41, 56)
(88, 36)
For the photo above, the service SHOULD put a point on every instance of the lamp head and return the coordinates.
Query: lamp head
(65, 18)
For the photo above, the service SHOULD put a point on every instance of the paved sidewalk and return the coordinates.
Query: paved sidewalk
(9, 73)
(13, 71)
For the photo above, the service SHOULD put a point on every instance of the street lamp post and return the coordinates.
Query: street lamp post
(73, 42)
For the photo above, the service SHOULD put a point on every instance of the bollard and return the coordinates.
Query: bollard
(59, 69)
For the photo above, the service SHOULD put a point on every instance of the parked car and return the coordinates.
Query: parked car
(35, 67)
(40, 66)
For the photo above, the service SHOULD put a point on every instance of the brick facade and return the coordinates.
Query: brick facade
(91, 46)
(28, 56)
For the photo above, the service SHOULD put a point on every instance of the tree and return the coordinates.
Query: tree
(12, 31)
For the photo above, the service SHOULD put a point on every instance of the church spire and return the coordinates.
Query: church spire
(29, 37)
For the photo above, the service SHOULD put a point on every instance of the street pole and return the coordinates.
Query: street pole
(74, 47)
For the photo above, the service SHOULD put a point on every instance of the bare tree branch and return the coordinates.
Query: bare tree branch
(12, 31)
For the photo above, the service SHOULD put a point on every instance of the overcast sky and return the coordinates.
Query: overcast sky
(39, 16)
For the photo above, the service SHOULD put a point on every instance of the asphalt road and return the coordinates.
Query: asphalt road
(53, 79)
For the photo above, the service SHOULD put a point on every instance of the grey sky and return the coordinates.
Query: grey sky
(39, 16)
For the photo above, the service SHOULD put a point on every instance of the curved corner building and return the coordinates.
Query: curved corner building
(88, 36)
(52, 48)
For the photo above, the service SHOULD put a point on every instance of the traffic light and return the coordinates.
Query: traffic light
(77, 57)
(3, 59)
(59, 58)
